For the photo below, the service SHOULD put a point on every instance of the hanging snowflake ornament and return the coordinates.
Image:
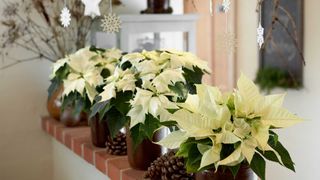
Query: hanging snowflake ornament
(111, 23)
(260, 35)
(65, 17)
(227, 42)
(226, 5)
(91, 8)
(211, 7)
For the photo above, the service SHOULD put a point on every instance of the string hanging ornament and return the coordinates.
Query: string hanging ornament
(65, 16)
(91, 8)
(226, 5)
(260, 30)
(111, 23)
(211, 7)
(227, 40)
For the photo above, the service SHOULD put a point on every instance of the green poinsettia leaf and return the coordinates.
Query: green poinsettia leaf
(192, 78)
(105, 73)
(54, 86)
(169, 124)
(142, 131)
(136, 135)
(79, 105)
(62, 72)
(194, 159)
(97, 107)
(180, 89)
(150, 126)
(282, 151)
(258, 165)
(116, 121)
(185, 147)
(69, 100)
(122, 101)
(95, 49)
(126, 65)
(57, 80)
(105, 110)
(234, 170)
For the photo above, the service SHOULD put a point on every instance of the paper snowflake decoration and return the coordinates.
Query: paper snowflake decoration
(111, 23)
(65, 17)
(227, 42)
(226, 5)
(91, 8)
(260, 35)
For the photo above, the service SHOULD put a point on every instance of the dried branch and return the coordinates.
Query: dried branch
(20, 61)
(47, 39)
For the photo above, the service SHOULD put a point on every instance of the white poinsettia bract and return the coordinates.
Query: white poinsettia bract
(207, 114)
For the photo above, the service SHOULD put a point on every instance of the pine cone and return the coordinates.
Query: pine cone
(168, 167)
(118, 145)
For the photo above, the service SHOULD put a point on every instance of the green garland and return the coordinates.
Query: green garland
(270, 78)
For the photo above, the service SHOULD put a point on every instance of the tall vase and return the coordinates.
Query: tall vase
(244, 173)
(99, 131)
(54, 103)
(145, 153)
(158, 7)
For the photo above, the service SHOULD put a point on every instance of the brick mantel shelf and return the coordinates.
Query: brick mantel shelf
(78, 140)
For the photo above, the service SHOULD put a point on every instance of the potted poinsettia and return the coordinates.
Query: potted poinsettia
(80, 74)
(60, 72)
(142, 93)
(229, 136)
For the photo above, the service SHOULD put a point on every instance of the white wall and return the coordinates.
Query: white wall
(301, 140)
(67, 165)
(25, 151)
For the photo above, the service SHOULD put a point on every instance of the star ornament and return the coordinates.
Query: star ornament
(65, 17)
(226, 5)
(91, 8)
(111, 23)
(260, 35)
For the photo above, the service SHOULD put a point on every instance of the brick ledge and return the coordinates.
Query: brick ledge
(78, 140)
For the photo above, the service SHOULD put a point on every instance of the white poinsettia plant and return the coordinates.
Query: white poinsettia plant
(152, 81)
(229, 129)
(82, 73)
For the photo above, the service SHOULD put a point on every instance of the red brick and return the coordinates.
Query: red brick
(132, 174)
(116, 166)
(70, 133)
(78, 139)
(101, 158)
(88, 152)
(77, 144)
(59, 133)
(52, 124)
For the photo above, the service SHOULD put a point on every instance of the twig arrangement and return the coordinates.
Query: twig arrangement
(277, 8)
(291, 30)
(34, 26)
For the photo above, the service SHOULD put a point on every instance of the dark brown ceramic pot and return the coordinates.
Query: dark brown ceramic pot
(158, 7)
(145, 153)
(70, 120)
(54, 103)
(99, 131)
(244, 173)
